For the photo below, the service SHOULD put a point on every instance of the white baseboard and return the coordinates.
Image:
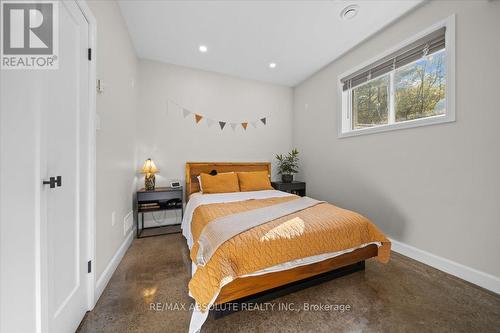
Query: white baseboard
(466, 273)
(103, 280)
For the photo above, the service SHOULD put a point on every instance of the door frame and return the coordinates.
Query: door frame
(41, 297)
(92, 112)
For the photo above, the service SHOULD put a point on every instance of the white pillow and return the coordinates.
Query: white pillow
(199, 179)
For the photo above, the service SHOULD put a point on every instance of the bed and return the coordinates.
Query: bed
(230, 277)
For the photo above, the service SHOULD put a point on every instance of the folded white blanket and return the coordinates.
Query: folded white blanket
(224, 228)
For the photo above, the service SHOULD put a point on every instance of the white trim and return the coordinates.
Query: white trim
(466, 273)
(391, 119)
(440, 119)
(106, 275)
(91, 237)
(449, 23)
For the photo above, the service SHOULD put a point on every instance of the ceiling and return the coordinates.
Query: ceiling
(244, 37)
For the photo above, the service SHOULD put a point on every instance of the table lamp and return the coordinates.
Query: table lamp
(149, 169)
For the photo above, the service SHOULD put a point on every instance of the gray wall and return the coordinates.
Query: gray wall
(171, 140)
(116, 140)
(437, 187)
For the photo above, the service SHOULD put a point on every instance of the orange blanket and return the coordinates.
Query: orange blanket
(323, 228)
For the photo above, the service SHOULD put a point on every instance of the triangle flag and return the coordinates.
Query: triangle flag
(244, 125)
(209, 122)
(263, 120)
(198, 118)
(185, 112)
(222, 124)
(233, 126)
(254, 124)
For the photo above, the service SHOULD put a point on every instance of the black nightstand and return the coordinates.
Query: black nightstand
(160, 199)
(298, 188)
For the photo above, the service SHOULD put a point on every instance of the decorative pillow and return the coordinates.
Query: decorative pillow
(211, 174)
(220, 183)
(254, 181)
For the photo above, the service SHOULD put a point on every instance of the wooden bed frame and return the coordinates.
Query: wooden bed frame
(193, 170)
(268, 286)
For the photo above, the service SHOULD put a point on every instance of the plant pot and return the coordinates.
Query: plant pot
(287, 178)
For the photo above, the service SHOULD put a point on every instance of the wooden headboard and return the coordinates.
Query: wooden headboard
(193, 170)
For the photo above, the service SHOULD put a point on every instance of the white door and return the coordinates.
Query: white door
(64, 154)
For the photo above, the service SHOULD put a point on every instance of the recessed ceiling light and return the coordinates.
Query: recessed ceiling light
(203, 48)
(349, 12)
(272, 65)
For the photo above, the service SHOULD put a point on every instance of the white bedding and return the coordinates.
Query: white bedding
(198, 199)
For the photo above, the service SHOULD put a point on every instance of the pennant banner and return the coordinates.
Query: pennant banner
(222, 123)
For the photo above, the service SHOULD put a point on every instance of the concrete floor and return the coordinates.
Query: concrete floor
(402, 296)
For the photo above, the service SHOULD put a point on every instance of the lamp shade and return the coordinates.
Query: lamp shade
(149, 167)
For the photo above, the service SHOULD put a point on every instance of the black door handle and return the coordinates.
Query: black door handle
(53, 181)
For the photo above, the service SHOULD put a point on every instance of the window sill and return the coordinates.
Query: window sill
(397, 126)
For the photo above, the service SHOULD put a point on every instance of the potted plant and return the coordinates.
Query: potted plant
(288, 165)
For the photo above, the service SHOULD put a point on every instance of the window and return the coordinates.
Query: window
(420, 88)
(370, 103)
(411, 86)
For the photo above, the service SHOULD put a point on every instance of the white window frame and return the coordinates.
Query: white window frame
(344, 116)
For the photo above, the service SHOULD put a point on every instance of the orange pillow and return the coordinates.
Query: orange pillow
(254, 181)
(221, 183)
